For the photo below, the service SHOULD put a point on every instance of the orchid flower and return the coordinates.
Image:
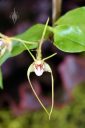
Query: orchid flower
(38, 67)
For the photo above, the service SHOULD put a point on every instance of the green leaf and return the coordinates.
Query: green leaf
(73, 17)
(69, 38)
(69, 35)
(1, 79)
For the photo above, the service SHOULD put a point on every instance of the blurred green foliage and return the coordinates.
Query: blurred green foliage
(70, 116)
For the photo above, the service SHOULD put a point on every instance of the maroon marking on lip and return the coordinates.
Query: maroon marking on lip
(39, 65)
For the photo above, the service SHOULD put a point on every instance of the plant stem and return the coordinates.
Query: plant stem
(56, 9)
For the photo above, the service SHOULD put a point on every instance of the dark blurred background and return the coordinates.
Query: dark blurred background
(68, 69)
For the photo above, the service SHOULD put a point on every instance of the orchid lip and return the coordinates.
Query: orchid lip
(39, 68)
(38, 71)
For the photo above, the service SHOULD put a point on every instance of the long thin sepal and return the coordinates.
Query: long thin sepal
(48, 69)
(1, 79)
(28, 75)
(52, 95)
(49, 57)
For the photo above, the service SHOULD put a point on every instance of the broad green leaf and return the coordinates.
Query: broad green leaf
(69, 38)
(69, 35)
(73, 17)
(1, 79)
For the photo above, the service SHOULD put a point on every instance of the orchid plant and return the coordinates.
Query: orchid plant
(68, 35)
